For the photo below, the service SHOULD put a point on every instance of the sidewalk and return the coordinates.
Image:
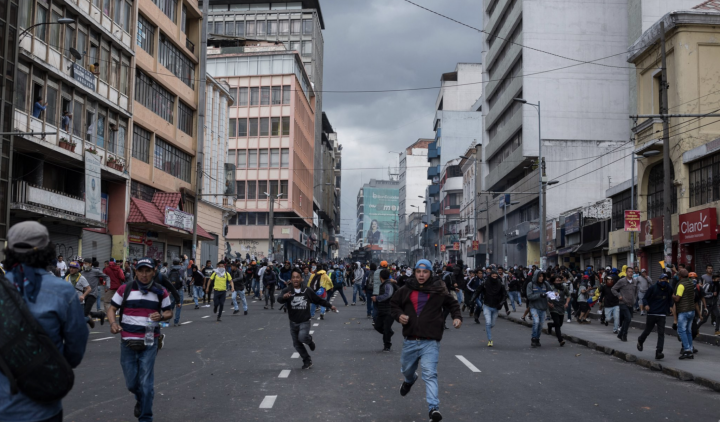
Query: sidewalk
(703, 370)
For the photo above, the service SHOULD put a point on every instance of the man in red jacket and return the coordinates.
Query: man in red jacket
(418, 306)
(117, 279)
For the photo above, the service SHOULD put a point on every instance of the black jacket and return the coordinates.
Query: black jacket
(493, 292)
(608, 299)
(238, 279)
(298, 304)
(163, 281)
(426, 319)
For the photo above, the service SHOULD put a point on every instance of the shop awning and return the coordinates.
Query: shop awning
(149, 214)
(568, 250)
(588, 246)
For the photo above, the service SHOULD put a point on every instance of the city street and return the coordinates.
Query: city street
(243, 369)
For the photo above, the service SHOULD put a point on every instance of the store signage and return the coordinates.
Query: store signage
(456, 246)
(84, 76)
(475, 245)
(698, 226)
(136, 237)
(442, 248)
(178, 219)
(572, 223)
(632, 221)
(651, 231)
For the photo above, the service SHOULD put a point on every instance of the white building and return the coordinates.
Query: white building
(413, 183)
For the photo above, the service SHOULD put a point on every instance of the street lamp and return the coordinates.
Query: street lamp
(646, 154)
(505, 205)
(541, 200)
(61, 21)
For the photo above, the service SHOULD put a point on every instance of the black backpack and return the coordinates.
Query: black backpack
(28, 356)
(175, 279)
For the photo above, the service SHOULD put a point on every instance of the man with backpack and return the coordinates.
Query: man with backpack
(51, 307)
(176, 275)
(142, 303)
(338, 280)
(320, 283)
(384, 322)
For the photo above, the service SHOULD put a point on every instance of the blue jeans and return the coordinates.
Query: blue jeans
(339, 289)
(240, 293)
(369, 304)
(614, 313)
(100, 291)
(514, 297)
(313, 307)
(139, 371)
(177, 310)
(491, 315)
(427, 353)
(684, 330)
(459, 294)
(538, 317)
(256, 287)
(197, 294)
(358, 291)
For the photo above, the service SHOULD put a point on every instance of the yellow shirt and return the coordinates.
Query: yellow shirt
(221, 282)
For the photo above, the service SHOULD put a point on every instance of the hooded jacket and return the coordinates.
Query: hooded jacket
(493, 292)
(114, 272)
(423, 304)
(659, 299)
(536, 293)
(324, 281)
(358, 274)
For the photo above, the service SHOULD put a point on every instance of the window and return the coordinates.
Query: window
(252, 158)
(242, 129)
(254, 96)
(307, 48)
(295, 46)
(104, 61)
(705, 181)
(264, 126)
(69, 41)
(262, 189)
(262, 219)
(145, 35)
(41, 30)
(275, 126)
(286, 94)
(274, 157)
(185, 118)
(284, 188)
(219, 28)
(25, 20)
(124, 76)
(115, 67)
(620, 203)
(106, 7)
(241, 158)
(253, 126)
(233, 128)
(274, 189)
(272, 28)
(141, 144)
(307, 26)
(655, 200)
(231, 157)
(176, 61)
(296, 24)
(276, 95)
(154, 97)
(242, 218)
(127, 7)
(55, 30)
(251, 218)
(251, 189)
(265, 95)
(21, 84)
(260, 25)
(286, 126)
(100, 131)
(172, 161)
(250, 28)
(240, 189)
(242, 96)
(284, 27)
(168, 7)
(285, 158)
(239, 29)
(229, 28)
(263, 159)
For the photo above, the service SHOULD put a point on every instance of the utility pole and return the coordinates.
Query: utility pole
(543, 219)
(200, 124)
(668, 185)
(487, 232)
(271, 245)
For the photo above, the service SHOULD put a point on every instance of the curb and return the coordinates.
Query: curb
(629, 357)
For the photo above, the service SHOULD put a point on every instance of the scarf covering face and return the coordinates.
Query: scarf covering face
(220, 272)
(26, 281)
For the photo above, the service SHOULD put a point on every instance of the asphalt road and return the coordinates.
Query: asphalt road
(226, 371)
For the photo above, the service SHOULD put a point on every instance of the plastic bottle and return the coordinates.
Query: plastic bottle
(150, 332)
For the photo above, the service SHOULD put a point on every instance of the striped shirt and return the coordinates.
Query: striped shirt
(138, 309)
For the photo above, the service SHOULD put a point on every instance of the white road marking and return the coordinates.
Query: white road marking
(268, 402)
(315, 325)
(104, 338)
(467, 363)
(311, 332)
(206, 316)
(186, 322)
(284, 373)
(295, 355)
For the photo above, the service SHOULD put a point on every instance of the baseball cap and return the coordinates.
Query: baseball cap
(27, 236)
(145, 262)
(384, 264)
(422, 264)
(664, 276)
(74, 264)
(643, 270)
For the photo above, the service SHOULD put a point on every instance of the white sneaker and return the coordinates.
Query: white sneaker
(569, 320)
(600, 312)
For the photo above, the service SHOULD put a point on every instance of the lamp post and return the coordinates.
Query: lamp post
(61, 21)
(505, 205)
(647, 154)
(541, 199)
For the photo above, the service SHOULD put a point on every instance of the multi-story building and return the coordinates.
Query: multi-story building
(585, 137)
(329, 201)
(73, 81)
(8, 59)
(449, 221)
(272, 132)
(377, 218)
(413, 183)
(296, 24)
(469, 227)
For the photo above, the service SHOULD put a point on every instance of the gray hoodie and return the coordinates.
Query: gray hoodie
(358, 274)
(627, 289)
(536, 293)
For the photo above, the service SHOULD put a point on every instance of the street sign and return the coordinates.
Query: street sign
(456, 246)
(475, 245)
(632, 221)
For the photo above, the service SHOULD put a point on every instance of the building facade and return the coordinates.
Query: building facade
(413, 184)
(378, 219)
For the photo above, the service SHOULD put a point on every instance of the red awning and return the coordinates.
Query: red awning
(143, 212)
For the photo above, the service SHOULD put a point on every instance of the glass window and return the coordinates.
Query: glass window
(262, 189)
(172, 161)
(241, 158)
(264, 126)
(251, 218)
(219, 28)
(307, 48)
(296, 23)
(295, 46)
(82, 43)
(276, 95)
(252, 158)
(145, 35)
(307, 26)
(286, 126)
(285, 158)
(240, 28)
(274, 189)
(154, 97)
(656, 189)
(286, 94)
(265, 95)
(254, 96)
(26, 8)
(229, 28)
(69, 41)
(242, 96)
(274, 157)
(106, 7)
(272, 28)
(185, 118)
(233, 128)
(117, 11)
(231, 157)
(705, 181)
(262, 218)
(242, 127)
(124, 77)
(263, 160)
(260, 28)
(168, 7)
(100, 131)
(242, 218)
(249, 28)
(251, 189)
(284, 189)
(41, 30)
(275, 126)
(127, 7)
(176, 61)
(240, 189)
(51, 109)
(253, 126)
(104, 62)
(77, 117)
(114, 74)
(284, 27)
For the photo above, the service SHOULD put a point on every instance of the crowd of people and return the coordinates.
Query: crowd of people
(140, 296)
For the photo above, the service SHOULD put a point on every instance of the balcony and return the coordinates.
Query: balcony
(29, 201)
(433, 190)
(435, 208)
(433, 172)
(190, 46)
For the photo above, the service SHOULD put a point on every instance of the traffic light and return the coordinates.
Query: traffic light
(436, 245)
(426, 226)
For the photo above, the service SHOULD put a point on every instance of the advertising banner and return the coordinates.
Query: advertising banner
(179, 219)
(442, 248)
(632, 221)
(572, 223)
(380, 220)
(93, 197)
(475, 245)
(456, 246)
(698, 226)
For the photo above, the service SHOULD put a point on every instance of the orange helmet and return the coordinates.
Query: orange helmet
(384, 264)
(692, 275)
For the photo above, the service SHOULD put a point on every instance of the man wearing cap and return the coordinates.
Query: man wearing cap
(657, 303)
(418, 306)
(147, 302)
(54, 305)
(87, 292)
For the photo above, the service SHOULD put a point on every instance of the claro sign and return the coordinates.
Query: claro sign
(698, 226)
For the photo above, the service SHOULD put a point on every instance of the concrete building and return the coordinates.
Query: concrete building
(449, 222)
(344, 248)
(329, 201)
(413, 184)
(272, 126)
(8, 59)
(468, 225)
(584, 110)
(377, 218)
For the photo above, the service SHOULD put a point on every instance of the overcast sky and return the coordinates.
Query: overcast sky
(388, 44)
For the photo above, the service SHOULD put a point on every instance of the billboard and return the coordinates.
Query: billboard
(380, 219)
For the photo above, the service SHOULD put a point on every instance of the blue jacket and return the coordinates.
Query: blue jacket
(60, 313)
(658, 299)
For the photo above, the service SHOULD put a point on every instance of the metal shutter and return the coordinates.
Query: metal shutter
(655, 269)
(622, 259)
(706, 254)
(97, 246)
(172, 253)
(66, 245)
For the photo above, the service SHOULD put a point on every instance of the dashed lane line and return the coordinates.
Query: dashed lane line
(316, 324)
(186, 322)
(311, 332)
(268, 402)
(104, 338)
(206, 316)
(467, 363)
(295, 355)
(284, 373)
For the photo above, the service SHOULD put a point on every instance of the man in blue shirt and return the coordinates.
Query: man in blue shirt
(54, 304)
(38, 107)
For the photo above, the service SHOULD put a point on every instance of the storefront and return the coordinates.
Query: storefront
(651, 245)
(697, 236)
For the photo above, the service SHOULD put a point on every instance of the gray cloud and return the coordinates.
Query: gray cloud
(388, 44)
